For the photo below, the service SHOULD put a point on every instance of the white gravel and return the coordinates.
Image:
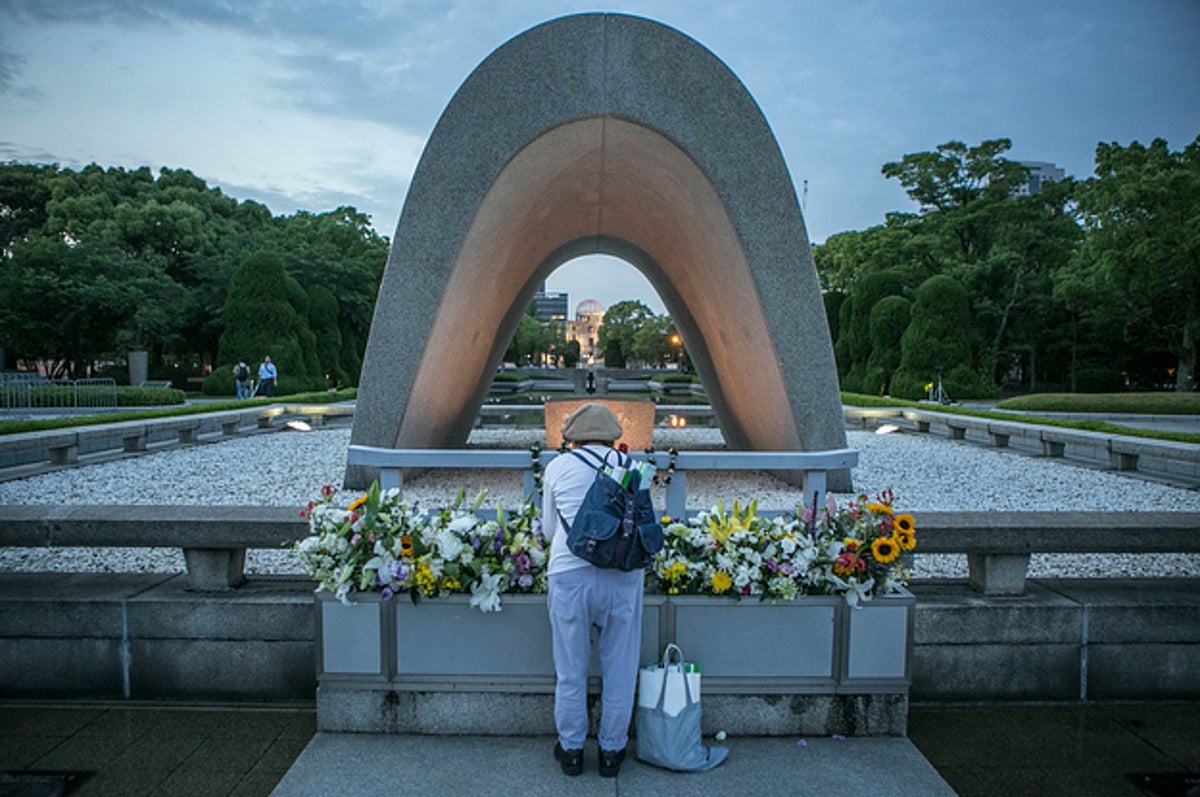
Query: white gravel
(288, 469)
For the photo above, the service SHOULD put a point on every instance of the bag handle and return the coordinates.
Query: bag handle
(687, 687)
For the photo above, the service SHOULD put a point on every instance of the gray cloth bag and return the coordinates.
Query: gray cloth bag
(673, 741)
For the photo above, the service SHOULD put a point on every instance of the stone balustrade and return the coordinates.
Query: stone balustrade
(1163, 458)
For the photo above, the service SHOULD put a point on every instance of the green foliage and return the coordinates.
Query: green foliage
(1111, 403)
(98, 261)
(1141, 254)
(323, 397)
(889, 319)
(260, 321)
(937, 336)
(617, 335)
(149, 396)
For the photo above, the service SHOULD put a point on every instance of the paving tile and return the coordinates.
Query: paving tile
(1184, 752)
(236, 754)
(123, 782)
(260, 784)
(157, 751)
(199, 783)
(135, 722)
(35, 721)
(281, 754)
(267, 723)
(1171, 721)
(90, 753)
(19, 752)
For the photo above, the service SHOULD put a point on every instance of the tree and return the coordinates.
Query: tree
(652, 342)
(1141, 214)
(617, 334)
(888, 322)
(962, 184)
(260, 321)
(936, 341)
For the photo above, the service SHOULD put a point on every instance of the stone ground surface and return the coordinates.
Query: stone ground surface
(927, 473)
(1095, 750)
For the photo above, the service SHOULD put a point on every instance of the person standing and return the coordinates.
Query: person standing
(241, 375)
(582, 595)
(266, 377)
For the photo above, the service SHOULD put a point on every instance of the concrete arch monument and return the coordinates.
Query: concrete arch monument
(601, 133)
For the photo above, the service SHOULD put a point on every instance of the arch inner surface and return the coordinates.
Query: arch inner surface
(604, 179)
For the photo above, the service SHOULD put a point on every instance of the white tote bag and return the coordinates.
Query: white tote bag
(668, 716)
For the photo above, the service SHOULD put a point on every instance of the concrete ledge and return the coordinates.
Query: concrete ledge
(146, 637)
(342, 710)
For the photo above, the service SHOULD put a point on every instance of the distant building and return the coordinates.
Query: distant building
(550, 306)
(1040, 172)
(585, 328)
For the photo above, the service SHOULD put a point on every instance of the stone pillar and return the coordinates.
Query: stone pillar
(139, 367)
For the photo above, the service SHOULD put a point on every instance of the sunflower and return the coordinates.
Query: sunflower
(907, 540)
(879, 508)
(357, 502)
(905, 522)
(721, 582)
(885, 549)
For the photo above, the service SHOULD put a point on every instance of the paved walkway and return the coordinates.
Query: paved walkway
(1096, 750)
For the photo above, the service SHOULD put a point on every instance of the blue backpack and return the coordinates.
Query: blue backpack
(616, 526)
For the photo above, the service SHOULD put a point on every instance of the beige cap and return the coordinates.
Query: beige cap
(592, 422)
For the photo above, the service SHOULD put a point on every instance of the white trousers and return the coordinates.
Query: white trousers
(610, 600)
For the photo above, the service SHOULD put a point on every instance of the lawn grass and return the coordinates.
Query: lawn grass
(859, 400)
(40, 425)
(1113, 403)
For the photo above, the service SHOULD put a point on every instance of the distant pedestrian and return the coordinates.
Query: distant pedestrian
(241, 377)
(266, 377)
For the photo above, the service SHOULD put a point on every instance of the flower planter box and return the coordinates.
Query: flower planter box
(441, 666)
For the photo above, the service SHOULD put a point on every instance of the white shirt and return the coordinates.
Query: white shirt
(564, 485)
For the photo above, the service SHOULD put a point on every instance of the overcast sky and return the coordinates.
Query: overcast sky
(312, 105)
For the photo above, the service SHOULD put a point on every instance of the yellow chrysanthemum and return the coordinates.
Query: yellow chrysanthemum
(721, 582)
(885, 549)
(674, 571)
(907, 540)
(424, 579)
(905, 522)
(357, 502)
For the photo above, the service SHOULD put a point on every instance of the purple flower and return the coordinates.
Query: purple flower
(525, 581)
(522, 562)
(772, 566)
(498, 546)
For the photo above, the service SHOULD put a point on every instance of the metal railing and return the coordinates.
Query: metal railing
(27, 391)
(812, 465)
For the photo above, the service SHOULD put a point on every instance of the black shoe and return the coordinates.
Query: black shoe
(610, 762)
(571, 761)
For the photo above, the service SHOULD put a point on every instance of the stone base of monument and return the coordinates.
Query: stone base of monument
(811, 666)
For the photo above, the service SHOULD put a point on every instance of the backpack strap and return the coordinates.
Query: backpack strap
(601, 460)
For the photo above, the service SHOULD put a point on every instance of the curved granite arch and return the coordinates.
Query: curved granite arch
(615, 134)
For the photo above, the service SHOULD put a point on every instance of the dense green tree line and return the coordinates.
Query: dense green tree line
(97, 262)
(1088, 285)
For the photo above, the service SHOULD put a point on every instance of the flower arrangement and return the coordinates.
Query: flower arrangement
(853, 551)
(379, 542)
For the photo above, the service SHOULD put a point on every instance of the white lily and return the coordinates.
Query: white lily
(854, 591)
(485, 593)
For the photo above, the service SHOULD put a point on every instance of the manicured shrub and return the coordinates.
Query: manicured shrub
(937, 335)
(889, 320)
